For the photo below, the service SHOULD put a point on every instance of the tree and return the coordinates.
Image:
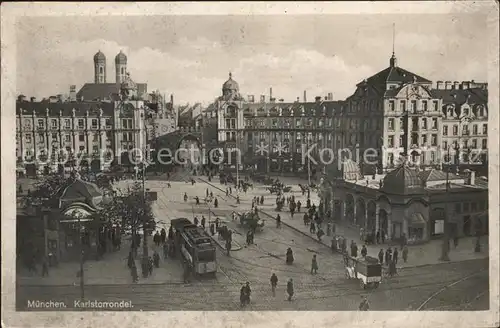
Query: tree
(46, 189)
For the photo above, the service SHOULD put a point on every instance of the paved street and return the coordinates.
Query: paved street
(328, 290)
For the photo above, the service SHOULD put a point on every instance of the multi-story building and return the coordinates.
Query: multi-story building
(372, 118)
(92, 133)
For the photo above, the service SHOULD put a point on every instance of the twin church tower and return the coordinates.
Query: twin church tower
(100, 67)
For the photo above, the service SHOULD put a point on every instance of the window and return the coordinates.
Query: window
(123, 70)
(413, 106)
(274, 123)
(108, 122)
(458, 208)
(81, 123)
(402, 105)
(391, 105)
(474, 129)
(94, 123)
(424, 124)
(40, 124)
(100, 70)
(54, 136)
(445, 130)
(320, 123)
(67, 138)
(434, 140)
(228, 123)
(390, 141)
(67, 124)
(95, 137)
(82, 148)
(81, 137)
(474, 143)
(54, 124)
(41, 137)
(402, 123)
(28, 138)
(391, 124)
(434, 123)
(435, 104)
(424, 105)
(455, 130)
(95, 149)
(401, 141)
(297, 123)
(445, 145)
(484, 143)
(485, 128)
(424, 139)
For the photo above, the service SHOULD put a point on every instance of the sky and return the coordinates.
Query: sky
(191, 56)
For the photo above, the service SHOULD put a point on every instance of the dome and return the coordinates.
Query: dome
(402, 180)
(347, 170)
(231, 84)
(121, 58)
(99, 57)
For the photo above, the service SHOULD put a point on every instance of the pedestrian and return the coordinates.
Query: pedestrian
(405, 253)
(298, 206)
(133, 273)
(185, 197)
(362, 234)
(163, 236)
(206, 193)
(355, 250)
(329, 229)
(320, 233)
(278, 221)
(197, 199)
(378, 237)
(165, 250)
(130, 260)
(216, 203)
(314, 265)
(156, 259)
(45, 266)
(364, 305)
(312, 228)
(228, 247)
(289, 289)
(306, 219)
(382, 236)
(274, 283)
(217, 221)
(455, 241)
(203, 221)
(381, 256)
(249, 237)
(388, 256)
(195, 221)
(392, 268)
(157, 239)
(395, 255)
(211, 195)
(212, 229)
(242, 296)
(262, 200)
(364, 251)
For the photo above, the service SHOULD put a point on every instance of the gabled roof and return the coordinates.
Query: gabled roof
(40, 108)
(394, 74)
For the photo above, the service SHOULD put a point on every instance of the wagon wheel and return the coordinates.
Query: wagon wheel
(362, 284)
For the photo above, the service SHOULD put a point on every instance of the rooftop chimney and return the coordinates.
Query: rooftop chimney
(32, 99)
(465, 85)
(305, 96)
(447, 85)
(456, 85)
(330, 96)
(21, 98)
(439, 85)
(270, 94)
(298, 99)
(72, 93)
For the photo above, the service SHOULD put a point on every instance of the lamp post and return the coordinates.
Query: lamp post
(446, 240)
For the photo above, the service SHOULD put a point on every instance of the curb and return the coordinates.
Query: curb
(101, 285)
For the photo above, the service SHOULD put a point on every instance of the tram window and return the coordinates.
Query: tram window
(206, 256)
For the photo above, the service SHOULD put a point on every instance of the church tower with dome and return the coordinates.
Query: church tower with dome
(121, 67)
(99, 68)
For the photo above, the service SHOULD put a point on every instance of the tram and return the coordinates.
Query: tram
(196, 246)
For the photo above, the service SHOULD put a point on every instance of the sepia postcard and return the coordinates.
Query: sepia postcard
(250, 164)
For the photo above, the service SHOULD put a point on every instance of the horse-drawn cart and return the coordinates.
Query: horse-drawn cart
(367, 270)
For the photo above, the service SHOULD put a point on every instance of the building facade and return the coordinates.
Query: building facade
(75, 133)
(447, 123)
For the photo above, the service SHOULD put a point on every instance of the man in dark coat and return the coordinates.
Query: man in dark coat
(388, 256)
(203, 222)
(381, 256)
(274, 283)
(395, 255)
(364, 251)
(289, 289)
(163, 236)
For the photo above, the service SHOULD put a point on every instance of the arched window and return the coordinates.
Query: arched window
(101, 70)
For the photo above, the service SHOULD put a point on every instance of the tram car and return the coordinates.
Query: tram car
(367, 270)
(196, 246)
